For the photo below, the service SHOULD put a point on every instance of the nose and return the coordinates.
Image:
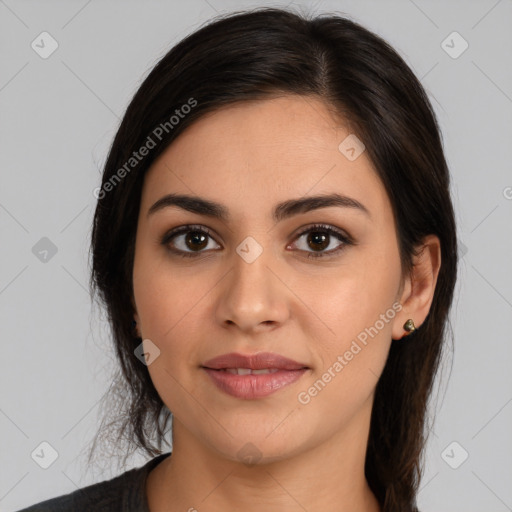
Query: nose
(253, 297)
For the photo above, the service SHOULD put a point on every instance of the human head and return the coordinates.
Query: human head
(256, 56)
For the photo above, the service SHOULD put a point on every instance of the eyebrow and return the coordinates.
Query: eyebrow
(281, 211)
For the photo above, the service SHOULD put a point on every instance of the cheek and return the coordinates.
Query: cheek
(166, 295)
(175, 305)
(354, 308)
(351, 297)
(350, 361)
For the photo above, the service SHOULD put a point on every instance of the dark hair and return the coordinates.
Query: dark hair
(254, 55)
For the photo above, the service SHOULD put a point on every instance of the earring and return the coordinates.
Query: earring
(409, 327)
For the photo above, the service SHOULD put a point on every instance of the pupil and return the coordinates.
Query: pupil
(193, 236)
(318, 237)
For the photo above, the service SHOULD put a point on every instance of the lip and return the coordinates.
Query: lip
(253, 361)
(249, 387)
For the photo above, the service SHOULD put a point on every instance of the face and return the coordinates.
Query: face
(317, 283)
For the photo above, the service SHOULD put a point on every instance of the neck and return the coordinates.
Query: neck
(329, 476)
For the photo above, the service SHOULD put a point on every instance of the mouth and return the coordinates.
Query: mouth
(260, 361)
(253, 376)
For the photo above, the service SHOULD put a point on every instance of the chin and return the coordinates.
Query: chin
(258, 448)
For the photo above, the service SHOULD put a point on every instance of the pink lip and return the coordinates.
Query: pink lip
(253, 361)
(253, 386)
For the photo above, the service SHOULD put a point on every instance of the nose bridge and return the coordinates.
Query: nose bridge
(252, 293)
(251, 273)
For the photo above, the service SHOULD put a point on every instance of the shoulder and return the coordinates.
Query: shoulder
(124, 492)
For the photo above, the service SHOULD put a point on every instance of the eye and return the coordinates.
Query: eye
(196, 238)
(320, 237)
(191, 240)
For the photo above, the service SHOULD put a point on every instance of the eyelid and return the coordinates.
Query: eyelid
(320, 226)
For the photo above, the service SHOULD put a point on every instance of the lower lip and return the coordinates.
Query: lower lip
(249, 387)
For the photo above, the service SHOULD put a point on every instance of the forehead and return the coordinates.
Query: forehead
(261, 152)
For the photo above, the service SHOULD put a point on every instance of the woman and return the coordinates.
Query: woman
(275, 244)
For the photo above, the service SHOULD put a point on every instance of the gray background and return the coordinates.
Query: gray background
(58, 117)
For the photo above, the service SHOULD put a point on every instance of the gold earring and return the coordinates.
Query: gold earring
(409, 327)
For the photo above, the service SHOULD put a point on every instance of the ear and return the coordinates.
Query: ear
(419, 287)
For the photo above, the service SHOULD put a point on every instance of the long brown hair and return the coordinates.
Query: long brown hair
(252, 55)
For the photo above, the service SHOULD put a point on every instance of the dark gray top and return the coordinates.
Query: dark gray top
(124, 493)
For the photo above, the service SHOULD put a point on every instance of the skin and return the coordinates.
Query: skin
(310, 310)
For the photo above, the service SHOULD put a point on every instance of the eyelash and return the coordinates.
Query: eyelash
(323, 228)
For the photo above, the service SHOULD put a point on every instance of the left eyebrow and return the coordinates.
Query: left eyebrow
(284, 210)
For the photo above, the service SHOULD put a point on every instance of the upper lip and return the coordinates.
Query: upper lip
(253, 361)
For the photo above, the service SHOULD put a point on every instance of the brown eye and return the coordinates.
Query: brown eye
(196, 240)
(319, 238)
(188, 241)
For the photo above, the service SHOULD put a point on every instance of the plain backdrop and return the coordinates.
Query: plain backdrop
(58, 117)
